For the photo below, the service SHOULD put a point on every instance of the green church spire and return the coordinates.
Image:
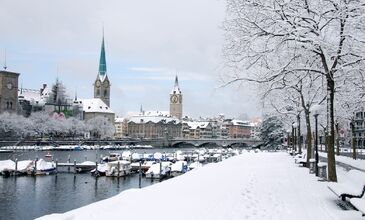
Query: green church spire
(102, 63)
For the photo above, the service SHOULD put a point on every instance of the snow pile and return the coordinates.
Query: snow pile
(248, 186)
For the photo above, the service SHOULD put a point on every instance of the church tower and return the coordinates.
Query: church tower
(176, 100)
(102, 84)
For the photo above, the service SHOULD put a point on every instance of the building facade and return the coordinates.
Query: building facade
(153, 127)
(8, 91)
(359, 122)
(238, 128)
(176, 101)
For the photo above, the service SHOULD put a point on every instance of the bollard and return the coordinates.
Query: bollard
(312, 165)
(118, 166)
(140, 174)
(16, 166)
(96, 169)
(322, 171)
(56, 166)
(68, 161)
(74, 166)
(35, 166)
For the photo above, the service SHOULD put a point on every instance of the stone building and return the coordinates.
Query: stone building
(197, 130)
(121, 127)
(92, 108)
(176, 101)
(238, 128)
(100, 104)
(8, 91)
(153, 127)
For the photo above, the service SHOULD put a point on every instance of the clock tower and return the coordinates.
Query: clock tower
(176, 101)
(102, 83)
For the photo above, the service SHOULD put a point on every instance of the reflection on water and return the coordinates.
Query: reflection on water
(27, 197)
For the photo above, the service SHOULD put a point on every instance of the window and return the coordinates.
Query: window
(105, 93)
(98, 92)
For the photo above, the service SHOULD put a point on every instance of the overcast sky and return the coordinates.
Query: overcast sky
(147, 43)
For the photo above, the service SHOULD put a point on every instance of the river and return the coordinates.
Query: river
(28, 197)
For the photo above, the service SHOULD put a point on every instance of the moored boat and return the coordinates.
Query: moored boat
(112, 157)
(123, 165)
(179, 168)
(158, 170)
(42, 167)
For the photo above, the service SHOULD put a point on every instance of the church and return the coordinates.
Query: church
(100, 104)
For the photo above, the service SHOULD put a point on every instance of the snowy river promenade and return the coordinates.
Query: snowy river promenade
(249, 186)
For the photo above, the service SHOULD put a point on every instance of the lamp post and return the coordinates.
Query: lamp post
(295, 125)
(288, 138)
(315, 110)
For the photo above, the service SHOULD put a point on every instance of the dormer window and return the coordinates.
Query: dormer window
(89, 107)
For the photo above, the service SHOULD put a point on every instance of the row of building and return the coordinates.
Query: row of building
(155, 124)
(143, 124)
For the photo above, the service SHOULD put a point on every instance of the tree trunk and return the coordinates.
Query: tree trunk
(337, 139)
(353, 140)
(299, 135)
(332, 176)
(309, 136)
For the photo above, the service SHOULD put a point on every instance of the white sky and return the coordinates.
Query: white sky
(147, 43)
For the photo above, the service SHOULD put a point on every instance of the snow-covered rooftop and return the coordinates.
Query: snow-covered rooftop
(95, 105)
(35, 97)
(195, 124)
(119, 120)
(153, 119)
(240, 122)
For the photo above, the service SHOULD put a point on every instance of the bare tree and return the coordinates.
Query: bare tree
(269, 40)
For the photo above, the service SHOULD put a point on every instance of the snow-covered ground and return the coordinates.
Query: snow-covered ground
(249, 186)
(359, 163)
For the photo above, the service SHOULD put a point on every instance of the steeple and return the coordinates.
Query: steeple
(176, 89)
(5, 67)
(102, 62)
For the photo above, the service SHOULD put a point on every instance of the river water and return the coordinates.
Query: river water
(28, 197)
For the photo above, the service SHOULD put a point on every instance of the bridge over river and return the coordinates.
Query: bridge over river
(156, 142)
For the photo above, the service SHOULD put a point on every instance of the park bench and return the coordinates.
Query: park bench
(353, 185)
(359, 204)
(301, 159)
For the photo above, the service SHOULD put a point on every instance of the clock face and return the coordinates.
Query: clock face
(9, 85)
(174, 99)
(97, 83)
(106, 83)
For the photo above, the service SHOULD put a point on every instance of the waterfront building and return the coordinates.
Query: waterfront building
(176, 101)
(8, 91)
(121, 127)
(238, 128)
(92, 108)
(147, 126)
(197, 129)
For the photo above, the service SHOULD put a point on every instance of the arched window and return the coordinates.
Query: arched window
(98, 92)
(105, 93)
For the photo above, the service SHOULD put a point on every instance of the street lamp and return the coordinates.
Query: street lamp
(316, 110)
